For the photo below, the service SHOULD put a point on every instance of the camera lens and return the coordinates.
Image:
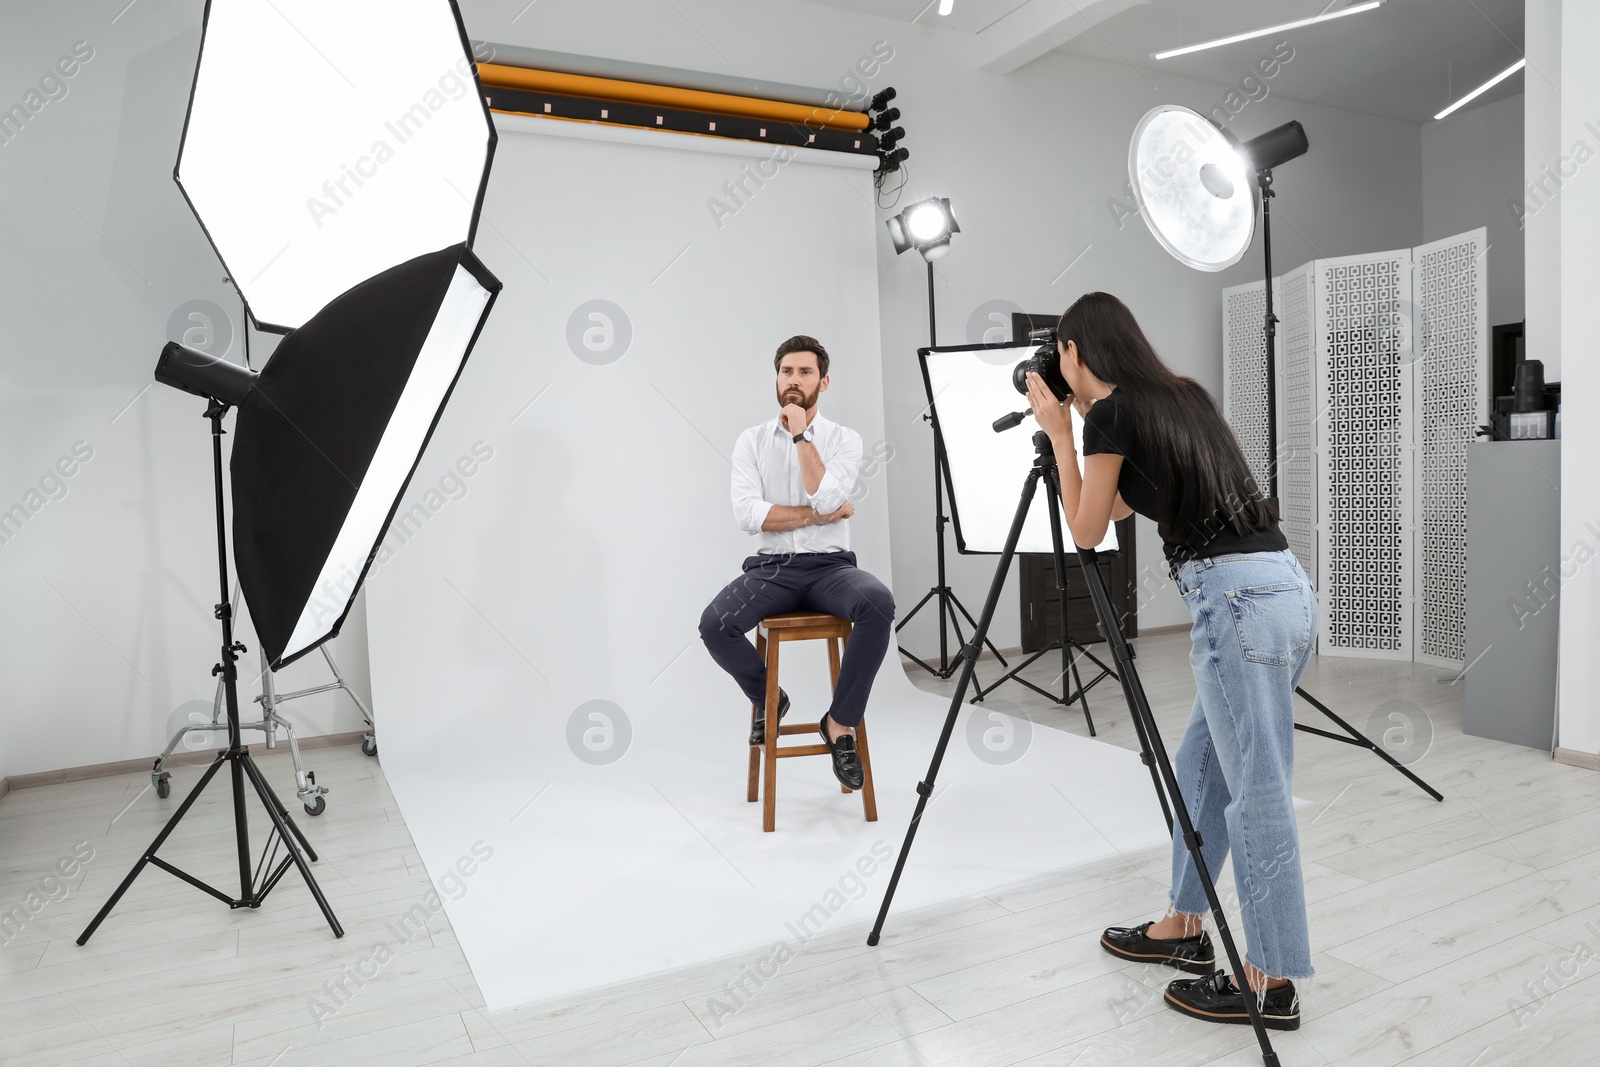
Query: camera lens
(1046, 363)
(1019, 374)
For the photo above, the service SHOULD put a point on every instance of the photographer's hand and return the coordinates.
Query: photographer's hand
(1049, 413)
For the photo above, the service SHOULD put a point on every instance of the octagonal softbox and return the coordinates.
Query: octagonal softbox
(328, 440)
(327, 141)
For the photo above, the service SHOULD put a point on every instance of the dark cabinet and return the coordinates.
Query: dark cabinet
(1040, 599)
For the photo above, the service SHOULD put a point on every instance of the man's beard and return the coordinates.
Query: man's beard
(804, 401)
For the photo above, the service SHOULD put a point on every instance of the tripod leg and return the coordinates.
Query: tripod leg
(283, 823)
(907, 653)
(970, 622)
(1361, 740)
(1149, 761)
(913, 611)
(961, 641)
(272, 801)
(1139, 706)
(241, 829)
(361, 705)
(1077, 682)
(1052, 492)
(925, 787)
(172, 824)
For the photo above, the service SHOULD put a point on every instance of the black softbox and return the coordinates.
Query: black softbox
(328, 440)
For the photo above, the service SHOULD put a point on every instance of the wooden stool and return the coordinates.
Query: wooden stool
(770, 635)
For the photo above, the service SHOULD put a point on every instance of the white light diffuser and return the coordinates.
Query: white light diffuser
(326, 142)
(407, 432)
(1193, 188)
(971, 387)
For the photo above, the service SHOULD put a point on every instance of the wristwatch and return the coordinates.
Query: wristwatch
(804, 435)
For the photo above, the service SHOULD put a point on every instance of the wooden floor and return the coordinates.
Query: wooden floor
(1455, 934)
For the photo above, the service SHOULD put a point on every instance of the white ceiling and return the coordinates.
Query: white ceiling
(1405, 60)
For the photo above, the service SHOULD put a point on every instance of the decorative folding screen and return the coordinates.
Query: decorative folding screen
(1365, 514)
(1382, 379)
(1450, 327)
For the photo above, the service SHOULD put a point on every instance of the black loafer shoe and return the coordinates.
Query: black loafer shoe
(758, 732)
(1217, 1000)
(1192, 954)
(846, 761)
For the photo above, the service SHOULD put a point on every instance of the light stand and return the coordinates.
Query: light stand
(1152, 752)
(253, 885)
(927, 226)
(949, 604)
(1350, 736)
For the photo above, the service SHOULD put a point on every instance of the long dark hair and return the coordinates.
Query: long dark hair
(1187, 446)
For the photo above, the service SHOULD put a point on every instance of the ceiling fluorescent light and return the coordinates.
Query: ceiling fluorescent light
(945, 6)
(1353, 9)
(1485, 87)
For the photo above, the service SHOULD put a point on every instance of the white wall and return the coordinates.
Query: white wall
(1543, 148)
(1578, 725)
(1471, 176)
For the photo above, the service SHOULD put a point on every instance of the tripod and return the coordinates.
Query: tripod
(1351, 735)
(1152, 752)
(237, 756)
(1069, 649)
(948, 604)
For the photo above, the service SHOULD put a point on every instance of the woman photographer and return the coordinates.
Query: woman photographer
(1155, 443)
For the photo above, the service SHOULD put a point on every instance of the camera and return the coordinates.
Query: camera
(1045, 361)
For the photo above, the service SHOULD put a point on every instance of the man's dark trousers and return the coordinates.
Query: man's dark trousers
(804, 581)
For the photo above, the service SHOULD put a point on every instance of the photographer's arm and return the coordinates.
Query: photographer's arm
(1091, 499)
(1088, 498)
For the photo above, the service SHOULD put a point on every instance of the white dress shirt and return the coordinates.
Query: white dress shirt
(766, 472)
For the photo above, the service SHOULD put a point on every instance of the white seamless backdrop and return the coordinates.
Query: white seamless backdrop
(576, 570)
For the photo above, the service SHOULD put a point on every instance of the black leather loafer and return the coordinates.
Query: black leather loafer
(1217, 1000)
(758, 732)
(1192, 954)
(846, 760)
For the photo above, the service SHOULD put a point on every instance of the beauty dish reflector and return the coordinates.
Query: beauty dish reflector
(969, 386)
(1193, 188)
(326, 142)
(330, 435)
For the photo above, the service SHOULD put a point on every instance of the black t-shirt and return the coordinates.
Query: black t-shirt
(1109, 427)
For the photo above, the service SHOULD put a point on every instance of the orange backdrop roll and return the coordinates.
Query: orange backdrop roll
(505, 77)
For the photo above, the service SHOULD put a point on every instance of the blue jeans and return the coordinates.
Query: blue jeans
(1254, 616)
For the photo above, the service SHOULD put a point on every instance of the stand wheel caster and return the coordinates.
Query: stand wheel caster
(317, 808)
(369, 746)
(163, 784)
